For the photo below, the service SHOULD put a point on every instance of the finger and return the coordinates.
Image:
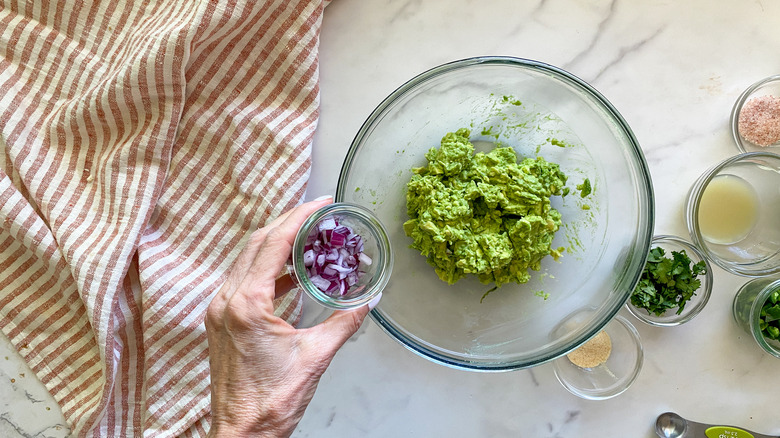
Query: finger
(238, 270)
(276, 248)
(331, 334)
(279, 219)
(253, 245)
(246, 257)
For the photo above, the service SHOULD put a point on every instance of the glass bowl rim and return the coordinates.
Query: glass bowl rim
(635, 151)
(634, 334)
(704, 295)
(692, 213)
(384, 261)
(740, 102)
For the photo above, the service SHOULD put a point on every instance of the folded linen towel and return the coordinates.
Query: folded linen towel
(142, 142)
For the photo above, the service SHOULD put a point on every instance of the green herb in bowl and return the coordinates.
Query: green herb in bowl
(769, 321)
(667, 283)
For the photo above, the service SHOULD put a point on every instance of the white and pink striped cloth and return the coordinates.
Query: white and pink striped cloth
(142, 141)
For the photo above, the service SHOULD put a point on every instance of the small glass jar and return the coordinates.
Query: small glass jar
(747, 310)
(376, 245)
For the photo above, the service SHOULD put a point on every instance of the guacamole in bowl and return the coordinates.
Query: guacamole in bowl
(483, 214)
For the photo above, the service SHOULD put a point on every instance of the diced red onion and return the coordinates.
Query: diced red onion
(351, 278)
(327, 224)
(366, 260)
(308, 258)
(333, 257)
(340, 269)
(339, 236)
(320, 282)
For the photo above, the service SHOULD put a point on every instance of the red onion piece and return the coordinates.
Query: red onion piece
(320, 282)
(327, 224)
(309, 258)
(366, 260)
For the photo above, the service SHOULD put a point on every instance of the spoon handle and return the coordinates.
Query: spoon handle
(701, 430)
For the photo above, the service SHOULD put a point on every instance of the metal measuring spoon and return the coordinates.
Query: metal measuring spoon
(671, 425)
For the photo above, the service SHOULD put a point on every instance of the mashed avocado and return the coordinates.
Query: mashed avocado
(585, 188)
(483, 214)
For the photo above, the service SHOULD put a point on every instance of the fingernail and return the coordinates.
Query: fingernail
(323, 197)
(375, 301)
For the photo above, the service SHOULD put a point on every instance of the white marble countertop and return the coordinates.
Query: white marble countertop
(673, 69)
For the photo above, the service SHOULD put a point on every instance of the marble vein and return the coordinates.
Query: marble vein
(55, 431)
(623, 52)
(408, 8)
(597, 35)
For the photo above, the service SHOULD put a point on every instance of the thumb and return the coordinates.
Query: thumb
(331, 334)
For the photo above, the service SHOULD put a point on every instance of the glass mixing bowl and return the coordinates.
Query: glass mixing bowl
(538, 110)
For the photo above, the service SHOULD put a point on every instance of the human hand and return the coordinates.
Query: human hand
(264, 371)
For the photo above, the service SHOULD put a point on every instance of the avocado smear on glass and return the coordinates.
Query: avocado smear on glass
(483, 214)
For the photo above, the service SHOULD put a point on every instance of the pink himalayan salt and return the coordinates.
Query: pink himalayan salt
(759, 120)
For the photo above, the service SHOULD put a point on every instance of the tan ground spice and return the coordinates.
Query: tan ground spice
(592, 353)
(759, 120)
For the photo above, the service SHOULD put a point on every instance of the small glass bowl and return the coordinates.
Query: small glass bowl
(612, 377)
(767, 86)
(752, 249)
(695, 305)
(746, 310)
(376, 246)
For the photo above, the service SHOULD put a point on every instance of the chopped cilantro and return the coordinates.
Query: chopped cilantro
(769, 319)
(667, 283)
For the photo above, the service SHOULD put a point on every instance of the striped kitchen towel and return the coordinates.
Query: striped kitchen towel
(142, 141)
